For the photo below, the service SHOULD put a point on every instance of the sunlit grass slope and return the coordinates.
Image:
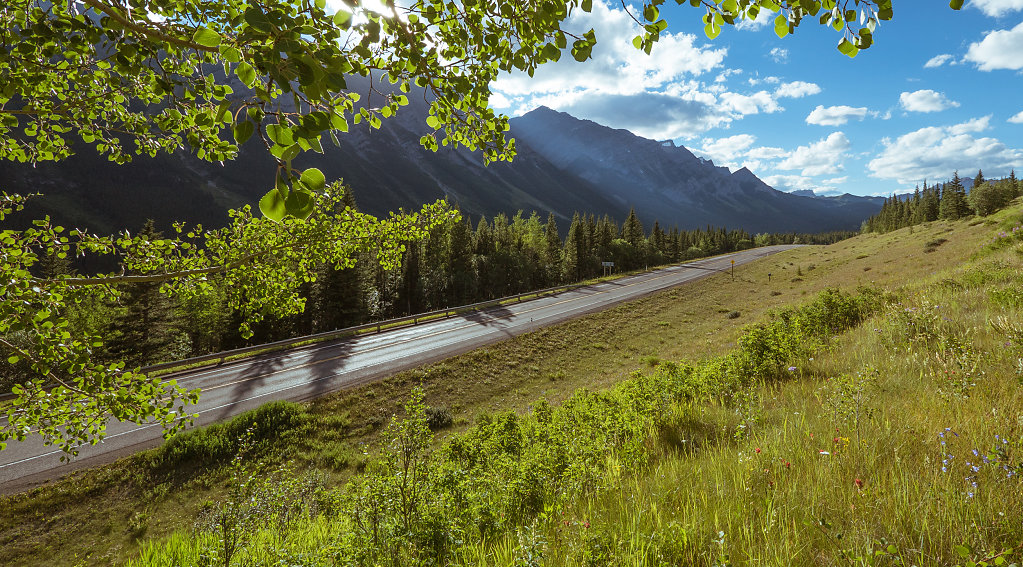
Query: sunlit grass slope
(882, 426)
(694, 489)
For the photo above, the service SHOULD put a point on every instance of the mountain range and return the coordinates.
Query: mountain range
(564, 165)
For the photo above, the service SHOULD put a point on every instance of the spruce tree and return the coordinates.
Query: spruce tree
(462, 287)
(552, 251)
(632, 230)
(979, 179)
(953, 204)
(145, 331)
(338, 299)
(571, 265)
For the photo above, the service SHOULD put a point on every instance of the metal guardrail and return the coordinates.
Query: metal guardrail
(378, 326)
(219, 357)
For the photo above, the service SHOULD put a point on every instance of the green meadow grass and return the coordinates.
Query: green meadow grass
(878, 428)
(701, 494)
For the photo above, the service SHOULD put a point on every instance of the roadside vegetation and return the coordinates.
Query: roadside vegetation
(699, 438)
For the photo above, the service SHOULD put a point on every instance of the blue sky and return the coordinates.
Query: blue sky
(940, 90)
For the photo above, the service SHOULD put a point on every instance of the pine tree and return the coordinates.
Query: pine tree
(462, 287)
(338, 299)
(953, 204)
(632, 230)
(571, 258)
(145, 331)
(552, 251)
(979, 179)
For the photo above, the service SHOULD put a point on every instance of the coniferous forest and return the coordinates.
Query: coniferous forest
(945, 201)
(459, 263)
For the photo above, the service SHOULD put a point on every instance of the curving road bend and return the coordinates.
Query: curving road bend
(307, 372)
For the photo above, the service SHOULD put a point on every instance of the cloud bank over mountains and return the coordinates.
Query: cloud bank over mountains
(749, 100)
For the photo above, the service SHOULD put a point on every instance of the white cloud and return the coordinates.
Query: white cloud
(726, 151)
(926, 100)
(935, 152)
(971, 126)
(939, 60)
(766, 152)
(823, 157)
(797, 89)
(760, 101)
(756, 80)
(764, 17)
(779, 55)
(723, 76)
(678, 91)
(789, 183)
(1002, 49)
(995, 8)
(1017, 118)
(616, 67)
(835, 115)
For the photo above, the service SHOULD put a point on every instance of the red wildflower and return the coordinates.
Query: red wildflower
(858, 483)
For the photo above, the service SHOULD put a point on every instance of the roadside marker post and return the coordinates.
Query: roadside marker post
(733, 270)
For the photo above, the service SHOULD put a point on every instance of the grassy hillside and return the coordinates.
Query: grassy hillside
(744, 462)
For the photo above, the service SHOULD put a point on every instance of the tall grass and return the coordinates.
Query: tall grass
(511, 472)
(867, 429)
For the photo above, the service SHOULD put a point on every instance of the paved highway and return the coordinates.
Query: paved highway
(307, 372)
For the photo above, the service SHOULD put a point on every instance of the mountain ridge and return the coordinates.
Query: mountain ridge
(564, 165)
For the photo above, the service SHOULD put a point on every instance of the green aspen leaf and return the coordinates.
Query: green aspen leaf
(552, 52)
(246, 74)
(338, 122)
(781, 26)
(257, 19)
(280, 134)
(243, 131)
(711, 30)
(433, 122)
(956, 4)
(299, 204)
(962, 550)
(848, 48)
(13, 359)
(272, 206)
(587, 5)
(341, 18)
(230, 54)
(769, 5)
(637, 42)
(206, 37)
(313, 180)
(650, 12)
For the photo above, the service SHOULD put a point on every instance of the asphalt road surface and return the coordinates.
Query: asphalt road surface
(307, 372)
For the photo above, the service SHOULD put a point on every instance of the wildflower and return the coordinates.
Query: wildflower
(788, 465)
(757, 449)
(792, 368)
(858, 482)
(823, 452)
(586, 525)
